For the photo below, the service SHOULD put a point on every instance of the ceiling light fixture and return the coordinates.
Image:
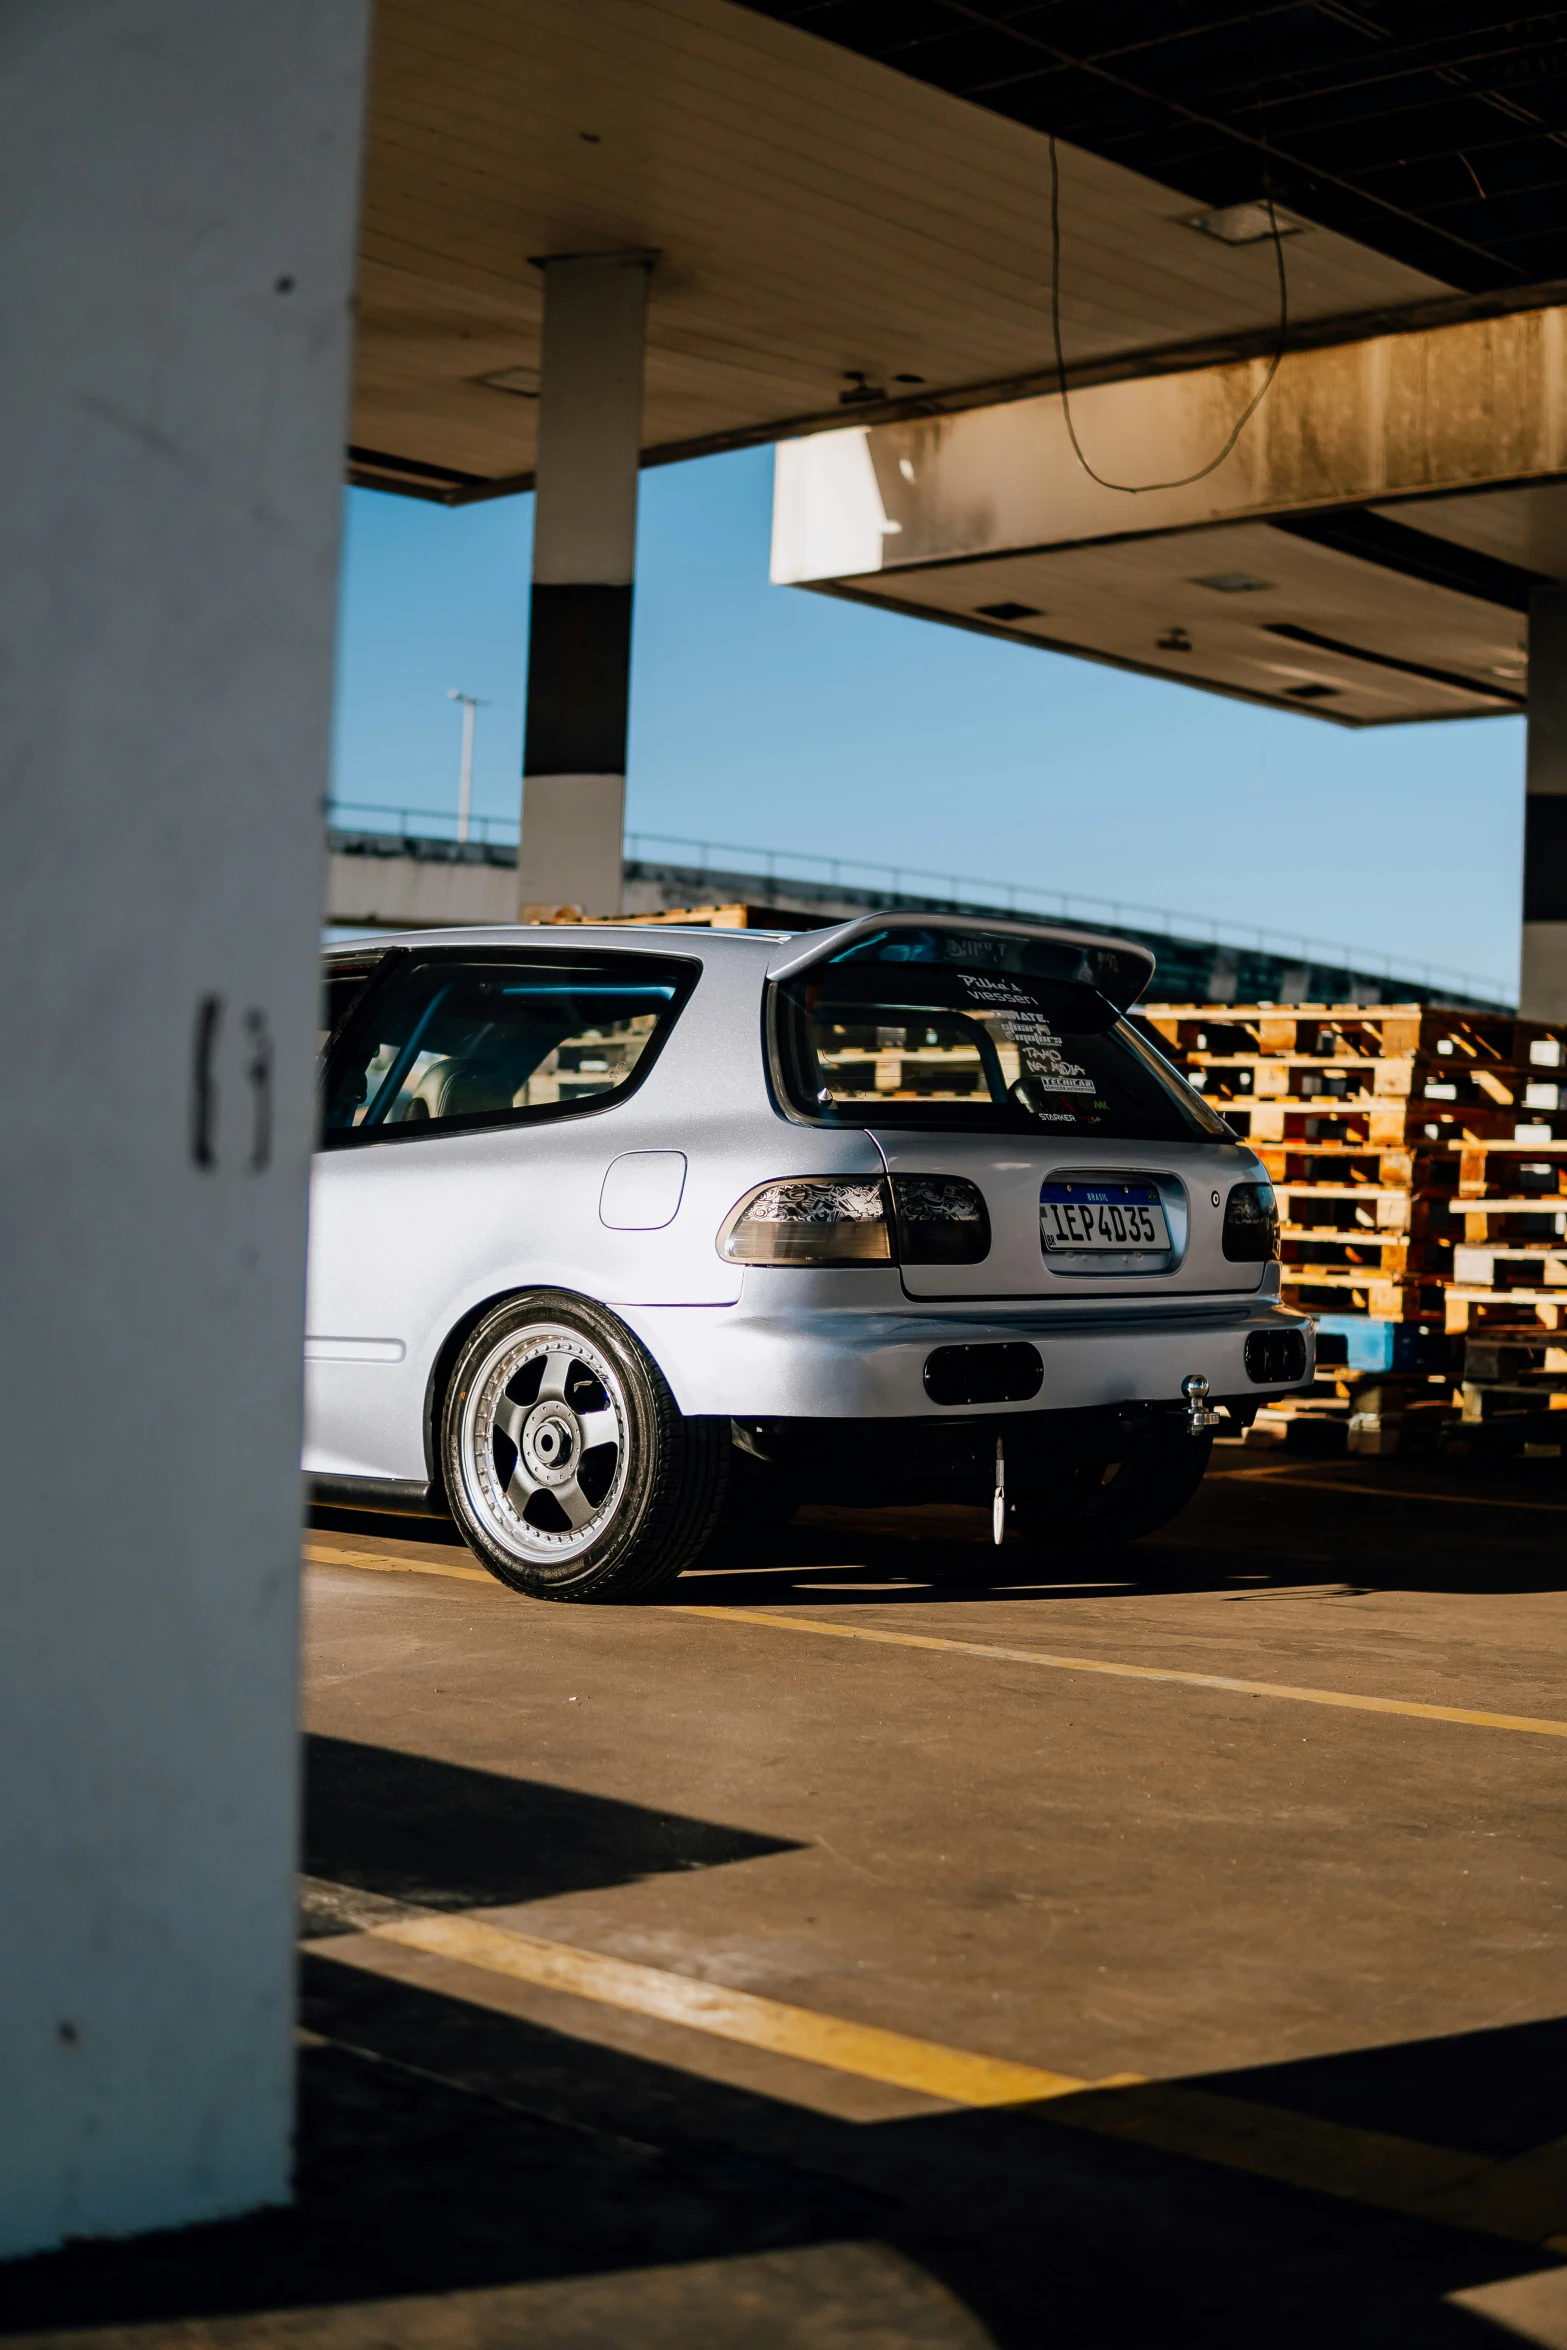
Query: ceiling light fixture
(524, 381)
(1009, 612)
(1232, 583)
(1244, 224)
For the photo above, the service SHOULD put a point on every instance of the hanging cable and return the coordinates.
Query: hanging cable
(1136, 488)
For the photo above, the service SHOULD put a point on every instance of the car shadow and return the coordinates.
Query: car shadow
(1240, 1539)
(1244, 1536)
(391, 1525)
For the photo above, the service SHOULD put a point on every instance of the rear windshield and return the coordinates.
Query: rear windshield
(448, 1041)
(993, 1052)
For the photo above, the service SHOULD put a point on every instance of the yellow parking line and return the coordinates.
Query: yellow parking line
(1471, 1717)
(318, 1554)
(1473, 1501)
(1524, 2199)
(864, 2049)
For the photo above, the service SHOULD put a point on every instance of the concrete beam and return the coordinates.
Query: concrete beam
(1461, 407)
(177, 191)
(1366, 551)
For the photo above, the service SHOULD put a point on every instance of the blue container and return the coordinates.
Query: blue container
(1372, 1344)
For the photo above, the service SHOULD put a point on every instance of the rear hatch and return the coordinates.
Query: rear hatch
(992, 1060)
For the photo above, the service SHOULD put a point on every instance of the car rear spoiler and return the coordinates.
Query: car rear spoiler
(1117, 967)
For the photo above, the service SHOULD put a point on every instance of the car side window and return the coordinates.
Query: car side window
(450, 1041)
(342, 983)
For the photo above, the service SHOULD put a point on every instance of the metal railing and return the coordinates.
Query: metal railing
(421, 823)
(817, 869)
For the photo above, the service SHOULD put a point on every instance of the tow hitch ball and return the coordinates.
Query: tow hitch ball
(1198, 1417)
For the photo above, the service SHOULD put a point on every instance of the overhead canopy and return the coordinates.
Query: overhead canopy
(850, 206)
(1430, 134)
(1367, 550)
(827, 229)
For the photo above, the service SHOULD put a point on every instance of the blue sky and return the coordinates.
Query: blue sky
(784, 720)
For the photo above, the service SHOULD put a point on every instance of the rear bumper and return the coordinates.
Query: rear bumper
(828, 1364)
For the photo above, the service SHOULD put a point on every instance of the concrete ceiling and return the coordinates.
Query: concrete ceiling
(827, 229)
(1245, 609)
(850, 205)
(1433, 132)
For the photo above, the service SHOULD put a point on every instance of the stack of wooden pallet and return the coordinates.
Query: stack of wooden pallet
(1511, 1392)
(1420, 1158)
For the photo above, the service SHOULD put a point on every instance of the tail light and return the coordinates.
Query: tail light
(854, 1220)
(1251, 1224)
(940, 1220)
(811, 1220)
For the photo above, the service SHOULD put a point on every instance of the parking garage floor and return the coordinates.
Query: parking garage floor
(886, 1941)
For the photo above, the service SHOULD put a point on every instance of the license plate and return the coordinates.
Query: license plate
(1102, 1219)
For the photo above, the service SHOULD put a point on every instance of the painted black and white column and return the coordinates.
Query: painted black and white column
(584, 565)
(1544, 982)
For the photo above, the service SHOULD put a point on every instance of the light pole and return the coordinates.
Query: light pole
(470, 703)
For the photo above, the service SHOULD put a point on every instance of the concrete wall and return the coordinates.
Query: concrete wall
(419, 893)
(177, 188)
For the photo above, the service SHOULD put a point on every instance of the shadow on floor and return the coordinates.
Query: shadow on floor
(391, 1525)
(1424, 1526)
(442, 1836)
(444, 2148)
(1239, 1539)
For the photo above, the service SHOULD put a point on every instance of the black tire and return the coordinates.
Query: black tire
(1106, 1502)
(580, 1480)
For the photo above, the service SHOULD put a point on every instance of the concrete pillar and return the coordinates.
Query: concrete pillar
(177, 196)
(1543, 993)
(584, 563)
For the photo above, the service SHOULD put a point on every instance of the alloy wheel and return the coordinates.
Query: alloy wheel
(545, 1444)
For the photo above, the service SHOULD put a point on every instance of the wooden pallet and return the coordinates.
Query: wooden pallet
(1355, 1079)
(1492, 1166)
(1528, 1357)
(1311, 1254)
(1325, 1085)
(1376, 1412)
(1493, 1311)
(1439, 1229)
(1385, 1205)
(1332, 1034)
(1420, 1168)
(1302, 1167)
(1368, 1125)
(791, 920)
(1380, 1298)
(1405, 1142)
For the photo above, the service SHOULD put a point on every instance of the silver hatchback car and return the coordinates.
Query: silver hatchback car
(620, 1234)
